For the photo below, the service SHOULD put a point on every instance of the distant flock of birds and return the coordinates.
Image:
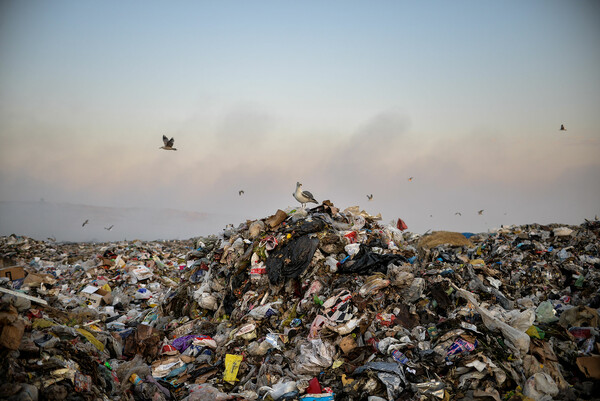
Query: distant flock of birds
(301, 196)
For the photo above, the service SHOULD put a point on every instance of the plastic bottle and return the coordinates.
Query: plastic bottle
(399, 357)
(135, 379)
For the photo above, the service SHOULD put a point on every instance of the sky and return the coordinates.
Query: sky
(349, 98)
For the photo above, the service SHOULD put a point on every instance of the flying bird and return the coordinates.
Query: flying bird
(303, 197)
(109, 228)
(410, 178)
(85, 222)
(480, 212)
(370, 197)
(241, 192)
(562, 128)
(168, 143)
(458, 213)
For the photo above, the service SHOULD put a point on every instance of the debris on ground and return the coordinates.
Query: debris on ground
(305, 304)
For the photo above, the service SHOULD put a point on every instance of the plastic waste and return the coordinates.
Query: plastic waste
(545, 313)
(517, 338)
(290, 260)
(373, 284)
(314, 356)
(370, 313)
(540, 387)
(232, 365)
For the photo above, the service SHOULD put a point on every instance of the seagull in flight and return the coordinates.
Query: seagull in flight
(168, 143)
(562, 128)
(457, 214)
(85, 222)
(370, 197)
(109, 228)
(303, 197)
(480, 212)
(241, 192)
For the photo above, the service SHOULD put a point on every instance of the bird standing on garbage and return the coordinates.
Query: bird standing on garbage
(85, 222)
(562, 128)
(303, 197)
(168, 143)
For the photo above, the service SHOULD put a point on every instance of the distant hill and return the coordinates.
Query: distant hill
(63, 221)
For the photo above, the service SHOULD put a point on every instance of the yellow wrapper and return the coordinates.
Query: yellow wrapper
(90, 337)
(232, 365)
(534, 332)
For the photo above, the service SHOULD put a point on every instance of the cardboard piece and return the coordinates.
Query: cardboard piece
(589, 366)
(142, 273)
(35, 280)
(348, 344)
(97, 295)
(145, 342)
(277, 218)
(12, 335)
(13, 272)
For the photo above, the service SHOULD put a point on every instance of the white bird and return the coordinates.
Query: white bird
(85, 222)
(303, 197)
(168, 143)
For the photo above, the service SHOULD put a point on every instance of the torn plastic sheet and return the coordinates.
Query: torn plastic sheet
(314, 356)
(390, 374)
(433, 388)
(518, 339)
(393, 384)
(389, 367)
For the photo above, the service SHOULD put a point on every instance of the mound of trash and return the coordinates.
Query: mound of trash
(318, 304)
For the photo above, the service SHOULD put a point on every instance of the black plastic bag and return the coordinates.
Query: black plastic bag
(367, 262)
(291, 260)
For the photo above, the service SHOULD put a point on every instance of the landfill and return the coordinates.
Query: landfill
(312, 304)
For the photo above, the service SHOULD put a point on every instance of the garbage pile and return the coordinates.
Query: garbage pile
(317, 304)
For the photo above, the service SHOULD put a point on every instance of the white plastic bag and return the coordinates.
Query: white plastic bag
(521, 320)
(541, 387)
(314, 356)
(517, 338)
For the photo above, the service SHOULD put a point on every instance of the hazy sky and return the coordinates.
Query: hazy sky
(348, 97)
